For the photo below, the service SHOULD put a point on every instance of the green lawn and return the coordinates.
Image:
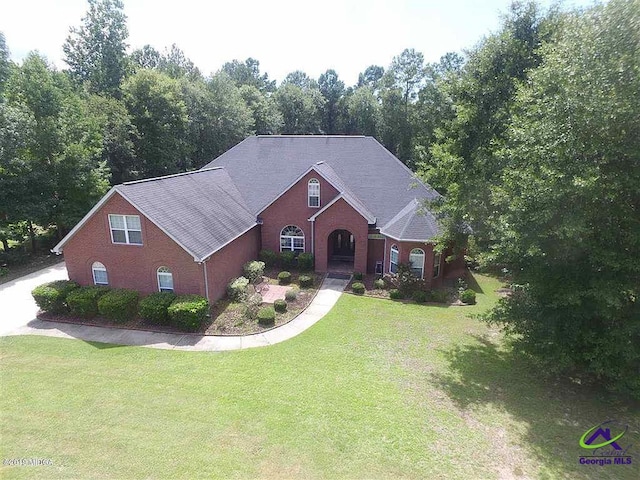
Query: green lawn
(377, 389)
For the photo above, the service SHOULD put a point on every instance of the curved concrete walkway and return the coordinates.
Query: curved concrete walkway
(18, 317)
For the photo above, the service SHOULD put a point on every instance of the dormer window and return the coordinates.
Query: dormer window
(313, 189)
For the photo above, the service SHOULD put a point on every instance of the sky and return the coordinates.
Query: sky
(284, 35)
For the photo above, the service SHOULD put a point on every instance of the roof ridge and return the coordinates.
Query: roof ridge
(310, 136)
(133, 182)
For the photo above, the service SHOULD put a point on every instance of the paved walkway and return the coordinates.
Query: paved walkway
(18, 317)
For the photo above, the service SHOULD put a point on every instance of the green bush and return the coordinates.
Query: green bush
(291, 295)
(252, 306)
(83, 301)
(237, 289)
(4, 271)
(52, 297)
(468, 296)
(440, 296)
(280, 306)
(154, 308)
(378, 284)
(269, 257)
(396, 294)
(253, 270)
(358, 276)
(284, 278)
(305, 262)
(266, 316)
(305, 281)
(358, 288)
(119, 304)
(420, 296)
(287, 260)
(188, 312)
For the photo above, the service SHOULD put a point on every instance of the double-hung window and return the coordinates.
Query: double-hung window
(393, 259)
(292, 239)
(436, 264)
(125, 229)
(313, 190)
(99, 272)
(165, 280)
(416, 260)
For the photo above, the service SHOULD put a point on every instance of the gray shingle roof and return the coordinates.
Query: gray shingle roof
(202, 210)
(262, 167)
(412, 223)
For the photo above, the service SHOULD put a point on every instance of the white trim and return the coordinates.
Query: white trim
(313, 181)
(206, 257)
(439, 255)
(169, 273)
(369, 220)
(100, 268)
(397, 262)
(291, 238)
(424, 256)
(125, 230)
(58, 248)
(420, 240)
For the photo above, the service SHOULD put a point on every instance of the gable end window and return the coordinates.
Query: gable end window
(416, 260)
(393, 259)
(125, 229)
(292, 239)
(99, 273)
(165, 280)
(436, 265)
(313, 190)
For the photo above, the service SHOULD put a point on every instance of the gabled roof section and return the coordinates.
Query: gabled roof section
(412, 223)
(201, 211)
(263, 167)
(355, 204)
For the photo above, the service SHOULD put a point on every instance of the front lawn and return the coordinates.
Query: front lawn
(377, 389)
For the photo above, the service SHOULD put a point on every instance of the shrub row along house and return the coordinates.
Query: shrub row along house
(344, 199)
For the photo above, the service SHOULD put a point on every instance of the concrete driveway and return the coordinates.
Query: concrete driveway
(17, 307)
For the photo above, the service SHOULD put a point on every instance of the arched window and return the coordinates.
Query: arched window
(100, 276)
(291, 239)
(393, 259)
(165, 280)
(437, 259)
(416, 260)
(313, 190)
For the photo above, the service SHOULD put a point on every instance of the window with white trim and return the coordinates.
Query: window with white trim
(291, 239)
(125, 229)
(99, 273)
(437, 258)
(416, 260)
(313, 193)
(393, 259)
(165, 280)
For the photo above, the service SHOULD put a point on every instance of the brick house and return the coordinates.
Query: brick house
(345, 199)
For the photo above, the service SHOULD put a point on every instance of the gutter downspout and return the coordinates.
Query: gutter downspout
(206, 280)
(384, 256)
(313, 250)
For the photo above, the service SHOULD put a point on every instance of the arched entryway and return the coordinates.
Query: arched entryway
(341, 250)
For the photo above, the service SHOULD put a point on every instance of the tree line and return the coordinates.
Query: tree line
(532, 135)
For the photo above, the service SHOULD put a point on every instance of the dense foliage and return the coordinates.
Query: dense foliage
(188, 312)
(119, 304)
(52, 297)
(153, 308)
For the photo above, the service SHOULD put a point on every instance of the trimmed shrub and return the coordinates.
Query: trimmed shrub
(154, 308)
(468, 296)
(237, 289)
(291, 295)
(188, 312)
(420, 296)
(287, 260)
(266, 316)
(305, 262)
(83, 301)
(280, 306)
(284, 278)
(379, 284)
(358, 276)
(52, 296)
(358, 288)
(253, 270)
(305, 281)
(396, 294)
(119, 304)
(252, 306)
(269, 257)
(440, 296)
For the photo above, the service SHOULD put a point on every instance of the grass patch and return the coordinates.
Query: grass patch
(377, 389)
